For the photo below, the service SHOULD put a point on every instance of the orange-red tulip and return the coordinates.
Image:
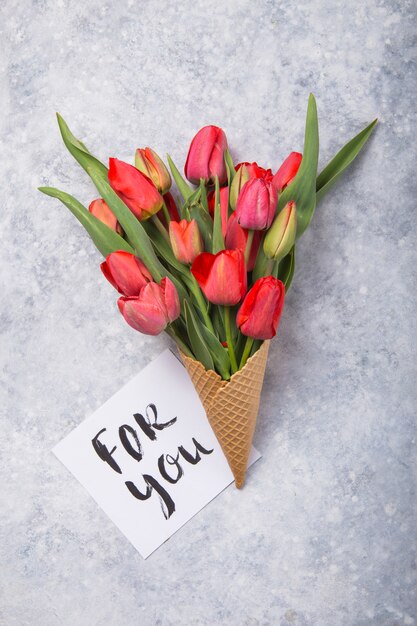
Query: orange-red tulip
(135, 189)
(101, 210)
(222, 276)
(125, 272)
(287, 171)
(259, 314)
(186, 240)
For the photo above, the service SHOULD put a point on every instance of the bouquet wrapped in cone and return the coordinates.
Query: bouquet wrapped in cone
(210, 263)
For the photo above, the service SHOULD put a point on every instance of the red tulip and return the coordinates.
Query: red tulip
(224, 206)
(206, 156)
(236, 237)
(261, 309)
(186, 240)
(287, 171)
(125, 272)
(255, 171)
(221, 276)
(135, 189)
(150, 164)
(101, 210)
(153, 309)
(256, 204)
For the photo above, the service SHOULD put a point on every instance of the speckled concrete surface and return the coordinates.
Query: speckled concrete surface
(324, 534)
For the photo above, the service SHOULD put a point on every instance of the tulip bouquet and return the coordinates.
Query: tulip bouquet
(210, 266)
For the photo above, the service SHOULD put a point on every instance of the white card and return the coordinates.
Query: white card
(148, 456)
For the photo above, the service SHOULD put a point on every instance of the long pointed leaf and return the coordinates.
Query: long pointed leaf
(132, 227)
(104, 238)
(342, 160)
(78, 149)
(198, 344)
(183, 187)
(286, 269)
(218, 239)
(303, 188)
(219, 354)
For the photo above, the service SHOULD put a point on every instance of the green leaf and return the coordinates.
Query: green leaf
(78, 149)
(303, 188)
(230, 168)
(218, 240)
(342, 160)
(203, 196)
(198, 344)
(205, 223)
(286, 269)
(163, 248)
(219, 354)
(184, 188)
(133, 228)
(261, 263)
(104, 238)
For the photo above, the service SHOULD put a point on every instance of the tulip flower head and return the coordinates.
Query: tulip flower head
(205, 157)
(280, 237)
(256, 204)
(125, 272)
(255, 171)
(237, 237)
(153, 309)
(101, 210)
(260, 311)
(150, 164)
(287, 171)
(185, 240)
(135, 189)
(222, 276)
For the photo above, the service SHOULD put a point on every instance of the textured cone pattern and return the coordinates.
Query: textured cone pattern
(232, 406)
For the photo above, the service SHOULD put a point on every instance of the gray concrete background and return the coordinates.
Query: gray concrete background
(324, 534)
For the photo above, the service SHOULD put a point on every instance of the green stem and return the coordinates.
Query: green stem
(160, 227)
(269, 267)
(249, 245)
(181, 345)
(229, 339)
(195, 288)
(246, 351)
(166, 213)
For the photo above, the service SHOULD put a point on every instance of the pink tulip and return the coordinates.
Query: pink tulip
(101, 210)
(256, 204)
(125, 272)
(186, 240)
(153, 309)
(206, 156)
(259, 314)
(135, 189)
(222, 276)
(287, 171)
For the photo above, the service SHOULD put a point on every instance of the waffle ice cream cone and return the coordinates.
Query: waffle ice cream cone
(232, 406)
